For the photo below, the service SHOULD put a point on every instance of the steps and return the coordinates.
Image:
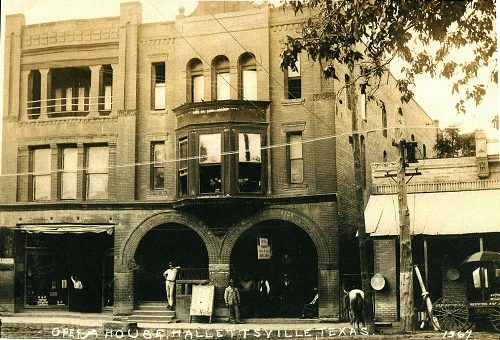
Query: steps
(152, 313)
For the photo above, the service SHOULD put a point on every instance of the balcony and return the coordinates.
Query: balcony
(221, 111)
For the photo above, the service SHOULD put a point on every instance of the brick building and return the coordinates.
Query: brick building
(128, 144)
(453, 209)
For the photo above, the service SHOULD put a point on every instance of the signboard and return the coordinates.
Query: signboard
(202, 301)
(263, 249)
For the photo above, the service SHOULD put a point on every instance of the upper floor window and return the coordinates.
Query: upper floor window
(183, 167)
(295, 161)
(196, 81)
(249, 168)
(105, 88)
(158, 165)
(68, 172)
(34, 94)
(158, 79)
(293, 81)
(41, 170)
(97, 170)
(70, 89)
(221, 76)
(248, 77)
(210, 151)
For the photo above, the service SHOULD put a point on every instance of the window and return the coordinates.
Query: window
(34, 94)
(196, 81)
(293, 81)
(222, 78)
(41, 174)
(248, 77)
(296, 161)
(97, 172)
(68, 172)
(183, 167)
(70, 89)
(249, 170)
(158, 78)
(384, 121)
(158, 165)
(105, 88)
(210, 163)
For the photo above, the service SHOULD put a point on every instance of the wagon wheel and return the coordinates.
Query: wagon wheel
(451, 314)
(495, 316)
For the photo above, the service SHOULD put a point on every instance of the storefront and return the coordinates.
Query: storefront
(52, 255)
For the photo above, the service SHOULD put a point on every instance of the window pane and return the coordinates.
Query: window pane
(69, 174)
(41, 160)
(158, 178)
(292, 73)
(249, 147)
(183, 154)
(98, 158)
(159, 154)
(97, 186)
(70, 159)
(249, 84)
(41, 188)
(198, 88)
(223, 87)
(296, 171)
(210, 148)
(159, 96)
(295, 146)
(210, 178)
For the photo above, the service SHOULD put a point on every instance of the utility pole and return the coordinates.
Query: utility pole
(405, 252)
(363, 239)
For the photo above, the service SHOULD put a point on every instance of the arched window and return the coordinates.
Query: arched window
(248, 77)
(221, 86)
(195, 81)
(34, 94)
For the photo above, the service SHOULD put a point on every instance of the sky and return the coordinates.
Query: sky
(433, 95)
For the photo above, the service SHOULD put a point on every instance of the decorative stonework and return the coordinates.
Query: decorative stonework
(158, 41)
(287, 27)
(69, 37)
(322, 96)
(59, 121)
(123, 113)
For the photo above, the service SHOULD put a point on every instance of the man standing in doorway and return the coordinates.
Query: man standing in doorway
(170, 275)
(232, 299)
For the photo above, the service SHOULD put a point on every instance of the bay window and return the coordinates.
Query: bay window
(183, 167)
(210, 163)
(249, 162)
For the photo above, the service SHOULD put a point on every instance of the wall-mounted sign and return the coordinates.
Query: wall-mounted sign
(377, 282)
(263, 249)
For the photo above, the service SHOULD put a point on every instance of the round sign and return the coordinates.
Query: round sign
(378, 282)
(452, 274)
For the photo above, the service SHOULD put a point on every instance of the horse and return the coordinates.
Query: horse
(356, 298)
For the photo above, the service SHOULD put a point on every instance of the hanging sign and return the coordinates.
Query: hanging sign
(263, 249)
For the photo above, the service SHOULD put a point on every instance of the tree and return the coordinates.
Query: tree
(367, 35)
(450, 143)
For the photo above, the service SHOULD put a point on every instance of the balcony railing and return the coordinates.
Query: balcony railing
(69, 107)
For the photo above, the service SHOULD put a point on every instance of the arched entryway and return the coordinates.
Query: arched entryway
(269, 250)
(160, 245)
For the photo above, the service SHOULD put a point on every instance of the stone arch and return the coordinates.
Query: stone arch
(132, 241)
(288, 215)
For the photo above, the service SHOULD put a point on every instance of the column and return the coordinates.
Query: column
(124, 292)
(234, 81)
(94, 89)
(328, 289)
(45, 93)
(219, 276)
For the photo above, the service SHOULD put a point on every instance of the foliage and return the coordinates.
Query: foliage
(450, 143)
(370, 33)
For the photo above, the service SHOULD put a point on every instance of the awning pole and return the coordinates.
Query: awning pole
(426, 264)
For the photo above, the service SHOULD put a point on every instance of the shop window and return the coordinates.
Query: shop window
(34, 94)
(183, 167)
(196, 81)
(293, 81)
(295, 158)
(348, 99)
(158, 165)
(105, 88)
(68, 172)
(384, 121)
(248, 77)
(97, 172)
(70, 89)
(222, 78)
(41, 170)
(210, 163)
(158, 95)
(249, 166)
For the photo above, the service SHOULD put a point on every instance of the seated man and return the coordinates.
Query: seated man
(311, 309)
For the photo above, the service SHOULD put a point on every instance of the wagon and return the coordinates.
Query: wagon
(482, 301)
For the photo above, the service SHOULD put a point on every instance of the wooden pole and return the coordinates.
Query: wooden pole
(426, 263)
(363, 238)
(427, 299)
(406, 263)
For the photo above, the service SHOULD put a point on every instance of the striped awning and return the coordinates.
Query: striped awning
(436, 213)
(66, 228)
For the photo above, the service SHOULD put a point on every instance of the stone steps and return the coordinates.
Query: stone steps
(152, 312)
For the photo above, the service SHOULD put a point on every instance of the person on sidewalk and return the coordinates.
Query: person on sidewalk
(232, 299)
(170, 276)
(77, 303)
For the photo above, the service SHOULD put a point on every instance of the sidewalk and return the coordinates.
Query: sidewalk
(100, 326)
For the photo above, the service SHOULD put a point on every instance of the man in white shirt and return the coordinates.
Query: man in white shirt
(170, 275)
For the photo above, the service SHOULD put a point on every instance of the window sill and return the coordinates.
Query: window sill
(295, 187)
(157, 193)
(158, 112)
(289, 102)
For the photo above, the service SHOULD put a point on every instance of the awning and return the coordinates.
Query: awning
(436, 213)
(66, 228)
